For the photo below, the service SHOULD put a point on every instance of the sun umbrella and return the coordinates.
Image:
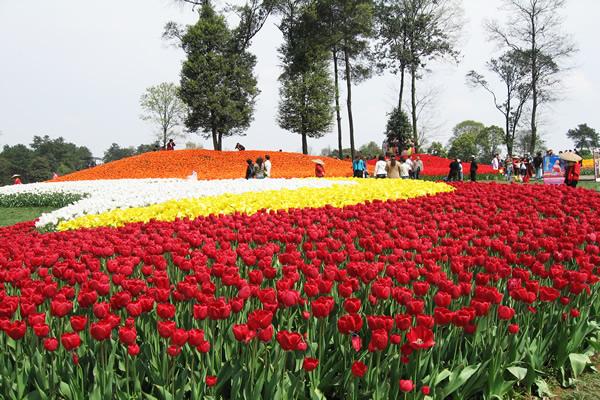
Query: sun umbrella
(15, 176)
(570, 156)
(318, 162)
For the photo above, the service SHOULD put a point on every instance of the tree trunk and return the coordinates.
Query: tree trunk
(509, 139)
(413, 102)
(349, 100)
(337, 103)
(164, 138)
(534, 87)
(304, 144)
(215, 138)
(220, 141)
(401, 94)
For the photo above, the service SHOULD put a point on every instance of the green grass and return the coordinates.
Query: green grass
(11, 216)
(589, 185)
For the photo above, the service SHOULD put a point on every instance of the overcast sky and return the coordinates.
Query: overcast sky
(77, 68)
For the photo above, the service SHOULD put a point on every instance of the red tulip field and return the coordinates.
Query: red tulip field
(478, 293)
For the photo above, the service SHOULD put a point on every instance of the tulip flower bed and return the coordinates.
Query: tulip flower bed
(208, 164)
(457, 295)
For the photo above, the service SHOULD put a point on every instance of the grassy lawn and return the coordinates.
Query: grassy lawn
(10, 216)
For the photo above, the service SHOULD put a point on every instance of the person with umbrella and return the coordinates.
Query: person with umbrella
(573, 168)
(17, 179)
(319, 168)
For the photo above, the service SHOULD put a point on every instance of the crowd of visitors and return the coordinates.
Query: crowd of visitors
(403, 167)
(259, 169)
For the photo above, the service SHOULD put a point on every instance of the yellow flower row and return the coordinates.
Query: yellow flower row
(337, 195)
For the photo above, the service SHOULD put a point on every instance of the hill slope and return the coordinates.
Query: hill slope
(208, 164)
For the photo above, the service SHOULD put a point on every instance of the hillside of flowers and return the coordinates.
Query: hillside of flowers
(449, 296)
(208, 164)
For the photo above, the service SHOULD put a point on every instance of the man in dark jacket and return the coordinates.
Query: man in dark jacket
(538, 162)
(454, 170)
(474, 167)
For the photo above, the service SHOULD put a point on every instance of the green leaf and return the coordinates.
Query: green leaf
(578, 363)
(441, 376)
(518, 372)
(66, 391)
(458, 378)
(543, 390)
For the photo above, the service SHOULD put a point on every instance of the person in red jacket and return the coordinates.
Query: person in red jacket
(17, 179)
(319, 168)
(572, 174)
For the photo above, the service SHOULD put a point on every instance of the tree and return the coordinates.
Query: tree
(512, 69)
(116, 152)
(398, 129)
(584, 137)
(217, 81)
(437, 149)
(162, 106)
(346, 27)
(306, 91)
(413, 33)
(472, 138)
(534, 28)
(523, 143)
(370, 150)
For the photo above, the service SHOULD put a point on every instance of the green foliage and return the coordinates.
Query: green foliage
(162, 106)
(116, 152)
(472, 138)
(370, 150)
(10, 216)
(398, 128)
(50, 199)
(45, 157)
(306, 92)
(584, 137)
(437, 149)
(217, 81)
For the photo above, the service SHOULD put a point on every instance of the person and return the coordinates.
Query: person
(454, 170)
(171, 145)
(496, 162)
(268, 166)
(523, 168)
(508, 166)
(461, 175)
(393, 168)
(358, 167)
(249, 169)
(404, 170)
(239, 147)
(419, 167)
(17, 179)
(259, 169)
(380, 168)
(572, 174)
(411, 166)
(538, 162)
(364, 165)
(319, 168)
(473, 171)
(54, 175)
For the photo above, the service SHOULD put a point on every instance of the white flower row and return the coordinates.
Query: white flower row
(106, 195)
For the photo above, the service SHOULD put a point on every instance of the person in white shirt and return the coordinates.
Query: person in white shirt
(495, 163)
(411, 167)
(380, 168)
(268, 166)
(404, 170)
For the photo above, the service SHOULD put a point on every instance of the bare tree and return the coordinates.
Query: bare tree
(162, 106)
(534, 29)
(512, 69)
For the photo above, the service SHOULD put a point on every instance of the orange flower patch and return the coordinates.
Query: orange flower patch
(208, 164)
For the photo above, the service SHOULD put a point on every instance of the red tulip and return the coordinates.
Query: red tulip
(310, 364)
(359, 369)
